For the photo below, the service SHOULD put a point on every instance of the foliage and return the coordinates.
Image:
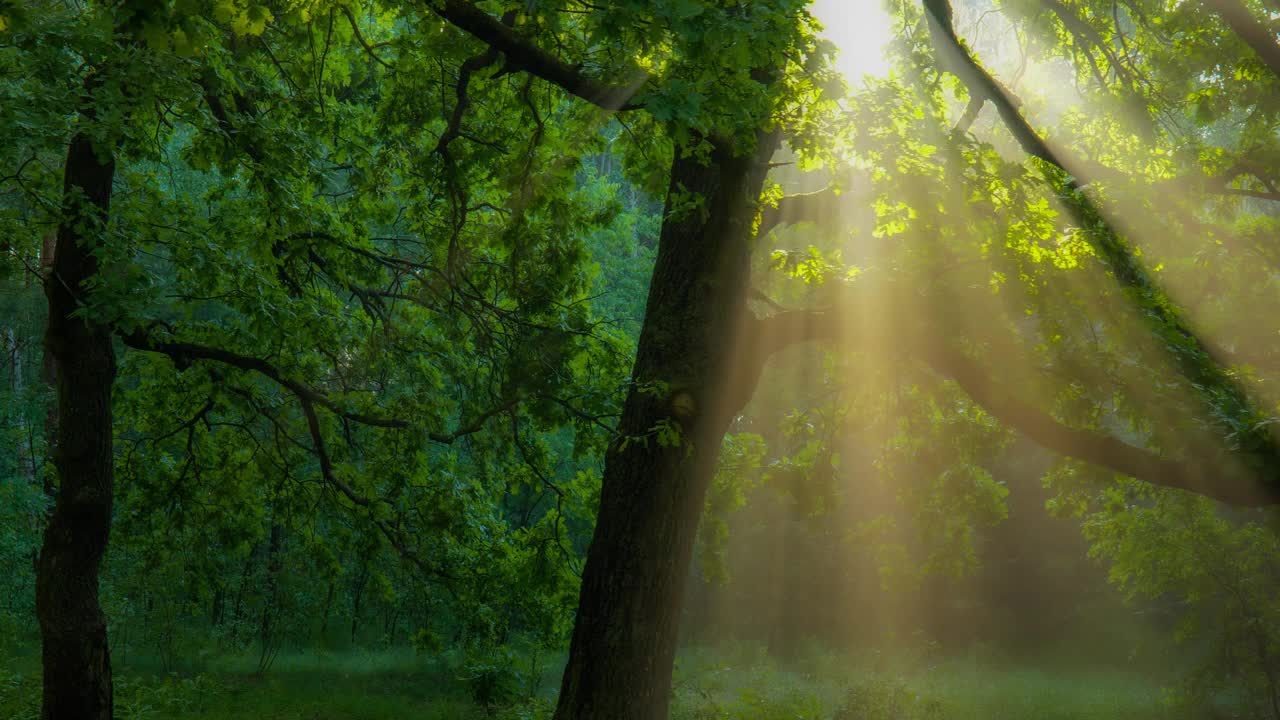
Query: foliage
(1222, 585)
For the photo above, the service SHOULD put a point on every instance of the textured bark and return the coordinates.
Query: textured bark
(693, 343)
(76, 660)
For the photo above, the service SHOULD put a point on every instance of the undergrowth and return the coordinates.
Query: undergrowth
(709, 685)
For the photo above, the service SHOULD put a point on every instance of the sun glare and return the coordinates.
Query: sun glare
(860, 29)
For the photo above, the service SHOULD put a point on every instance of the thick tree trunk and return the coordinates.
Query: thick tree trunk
(76, 660)
(691, 371)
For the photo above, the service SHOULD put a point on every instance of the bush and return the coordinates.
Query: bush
(19, 696)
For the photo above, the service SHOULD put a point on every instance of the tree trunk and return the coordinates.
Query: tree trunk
(218, 604)
(694, 370)
(73, 629)
(237, 612)
(357, 594)
(267, 631)
(324, 614)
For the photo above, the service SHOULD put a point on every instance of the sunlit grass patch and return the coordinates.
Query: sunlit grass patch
(877, 687)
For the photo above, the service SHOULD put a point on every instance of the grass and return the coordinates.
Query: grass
(725, 684)
(903, 688)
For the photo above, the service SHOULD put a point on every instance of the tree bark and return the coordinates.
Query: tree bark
(73, 629)
(694, 369)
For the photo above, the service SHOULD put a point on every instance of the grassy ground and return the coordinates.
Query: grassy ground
(842, 688)
(709, 686)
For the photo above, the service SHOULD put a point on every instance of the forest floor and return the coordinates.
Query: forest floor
(708, 686)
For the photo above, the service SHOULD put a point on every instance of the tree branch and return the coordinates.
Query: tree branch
(523, 55)
(1225, 484)
(384, 526)
(1249, 29)
(1099, 449)
(183, 354)
(355, 29)
(781, 330)
(1195, 359)
(955, 58)
(476, 425)
(1259, 194)
(801, 207)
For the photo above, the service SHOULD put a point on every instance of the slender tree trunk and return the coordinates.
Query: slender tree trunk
(73, 629)
(324, 615)
(237, 613)
(389, 625)
(357, 595)
(218, 604)
(267, 631)
(691, 372)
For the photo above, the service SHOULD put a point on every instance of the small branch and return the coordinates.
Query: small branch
(758, 294)
(970, 115)
(802, 207)
(183, 354)
(384, 526)
(454, 128)
(355, 29)
(582, 415)
(476, 425)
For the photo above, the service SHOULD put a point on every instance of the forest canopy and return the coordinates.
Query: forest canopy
(635, 360)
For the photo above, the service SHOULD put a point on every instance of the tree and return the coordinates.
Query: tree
(702, 349)
(297, 304)
(699, 353)
(77, 664)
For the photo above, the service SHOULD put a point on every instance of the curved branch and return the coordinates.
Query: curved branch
(476, 425)
(1094, 447)
(369, 49)
(524, 55)
(1229, 485)
(183, 354)
(1195, 359)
